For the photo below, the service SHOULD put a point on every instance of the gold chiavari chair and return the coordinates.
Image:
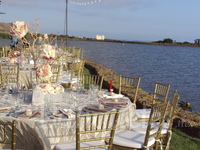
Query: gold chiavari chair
(129, 86)
(4, 127)
(77, 69)
(55, 68)
(161, 92)
(12, 71)
(1, 54)
(6, 50)
(92, 125)
(87, 80)
(133, 140)
(166, 131)
(4, 79)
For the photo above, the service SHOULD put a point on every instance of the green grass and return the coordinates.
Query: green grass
(181, 141)
(86, 71)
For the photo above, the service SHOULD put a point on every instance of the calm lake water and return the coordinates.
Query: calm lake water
(174, 65)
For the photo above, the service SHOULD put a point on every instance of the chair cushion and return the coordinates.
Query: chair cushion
(131, 139)
(141, 126)
(143, 113)
(71, 145)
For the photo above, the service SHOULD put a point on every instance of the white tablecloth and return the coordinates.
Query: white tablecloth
(43, 134)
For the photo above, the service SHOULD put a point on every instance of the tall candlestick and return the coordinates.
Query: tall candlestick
(111, 86)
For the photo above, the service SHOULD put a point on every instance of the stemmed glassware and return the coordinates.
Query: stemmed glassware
(93, 93)
(48, 106)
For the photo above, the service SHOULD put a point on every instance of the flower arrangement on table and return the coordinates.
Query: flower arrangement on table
(18, 29)
(48, 52)
(12, 60)
(14, 54)
(16, 57)
(44, 72)
(45, 50)
(50, 88)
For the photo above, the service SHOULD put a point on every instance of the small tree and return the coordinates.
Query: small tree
(186, 42)
(167, 40)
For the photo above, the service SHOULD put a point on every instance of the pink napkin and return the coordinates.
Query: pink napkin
(112, 102)
(96, 108)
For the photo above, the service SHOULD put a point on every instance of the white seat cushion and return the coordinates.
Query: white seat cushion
(141, 126)
(71, 145)
(143, 113)
(131, 139)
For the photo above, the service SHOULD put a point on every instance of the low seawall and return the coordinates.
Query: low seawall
(186, 121)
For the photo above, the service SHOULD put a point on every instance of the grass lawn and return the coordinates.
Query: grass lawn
(181, 141)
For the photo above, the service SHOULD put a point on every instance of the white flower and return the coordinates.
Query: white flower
(19, 29)
(45, 36)
(50, 88)
(48, 51)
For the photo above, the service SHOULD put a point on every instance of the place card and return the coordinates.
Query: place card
(38, 97)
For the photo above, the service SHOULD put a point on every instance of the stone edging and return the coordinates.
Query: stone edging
(186, 121)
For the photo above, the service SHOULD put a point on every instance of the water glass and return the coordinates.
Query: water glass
(48, 105)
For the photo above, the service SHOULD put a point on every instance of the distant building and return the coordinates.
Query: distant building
(197, 41)
(81, 37)
(100, 37)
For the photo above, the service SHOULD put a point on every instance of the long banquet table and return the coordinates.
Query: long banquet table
(43, 133)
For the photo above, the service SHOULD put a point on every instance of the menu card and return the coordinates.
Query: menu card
(38, 97)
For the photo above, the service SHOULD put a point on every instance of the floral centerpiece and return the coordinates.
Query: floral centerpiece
(14, 54)
(44, 72)
(16, 57)
(50, 88)
(48, 52)
(12, 60)
(18, 29)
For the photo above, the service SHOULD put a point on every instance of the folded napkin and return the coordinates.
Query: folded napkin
(24, 116)
(5, 108)
(112, 102)
(96, 108)
(114, 96)
(68, 112)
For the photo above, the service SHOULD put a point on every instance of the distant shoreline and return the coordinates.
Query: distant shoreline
(5, 28)
(129, 42)
(137, 42)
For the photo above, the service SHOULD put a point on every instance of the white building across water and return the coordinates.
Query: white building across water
(100, 37)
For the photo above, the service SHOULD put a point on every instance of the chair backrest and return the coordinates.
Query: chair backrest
(6, 50)
(1, 54)
(92, 79)
(173, 108)
(26, 53)
(156, 120)
(55, 69)
(89, 125)
(77, 68)
(161, 92)
(12, 71)
(4, 133)
(129, 86)
(4, 79)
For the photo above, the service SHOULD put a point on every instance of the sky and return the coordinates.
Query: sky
(130, 20)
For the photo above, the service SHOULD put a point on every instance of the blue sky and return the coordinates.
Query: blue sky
(132, 20)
